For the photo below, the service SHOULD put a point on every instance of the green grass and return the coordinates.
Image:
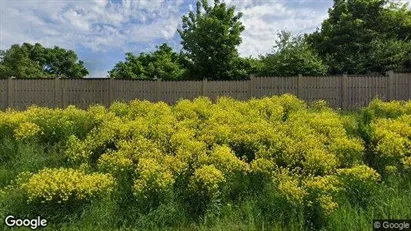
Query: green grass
(390, 203)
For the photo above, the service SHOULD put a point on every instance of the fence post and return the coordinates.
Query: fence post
(300, 86)
(344, 91)
(10, 91)
(391, 87)
(57, 92)
(158, 90)
(251, 86)
(204, 87)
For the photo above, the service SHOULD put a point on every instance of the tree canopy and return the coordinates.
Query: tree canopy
(364, 36)
(292, 56)
(36, 61)
(210, 37)
(163, 63)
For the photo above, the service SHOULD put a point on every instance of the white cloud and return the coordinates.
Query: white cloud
(96, 24)
(263, 19)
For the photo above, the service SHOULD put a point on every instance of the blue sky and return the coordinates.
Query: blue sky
(102, 31)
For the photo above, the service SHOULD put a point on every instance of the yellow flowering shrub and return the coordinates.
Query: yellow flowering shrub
(309, 155)
(290, 187)
(390, 109)
(198, 109)
(322, 192)
(9, 121)
(120, 109)
(348, 152)
(152, 177)
(115, 163)
(360, 173)
(319, 105)
(26, 130)
(62, 184)
(263, 166)
(223, 159)
(207, 180)
(407, 162)
(392, 138)
(359, 183)
(266, 109)
(54, 126)
(327, 204)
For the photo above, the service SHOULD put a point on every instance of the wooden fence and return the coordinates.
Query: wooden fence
(346, 92)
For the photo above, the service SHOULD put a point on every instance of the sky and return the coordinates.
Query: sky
(102, 31)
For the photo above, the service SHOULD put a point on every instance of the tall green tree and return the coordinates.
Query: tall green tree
(355, 28)
(292, 56)
(36, 61)
(210, 36)
(163, 63)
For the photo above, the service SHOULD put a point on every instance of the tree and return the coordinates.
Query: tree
(210, 37)
(36, 61)
(389, 55)
(352, 31)
(163, 63)
(292, 56)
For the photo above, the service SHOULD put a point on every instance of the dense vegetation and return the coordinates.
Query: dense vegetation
(36, 61)
(358, 37)
(275, 163)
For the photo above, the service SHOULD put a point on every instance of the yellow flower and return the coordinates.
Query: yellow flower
(206, 180)
(63, 184)
(26, 130)
(152, 177)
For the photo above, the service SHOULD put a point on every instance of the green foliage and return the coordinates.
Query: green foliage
(364, 36)
(163, 63)
(36, 61)
(210, 36)
(293, 56)
(388, 55)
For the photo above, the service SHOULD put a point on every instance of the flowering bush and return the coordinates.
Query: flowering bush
(308, 156)
(61, 184)
(207, 180)
(359, 183)
(26, 130)
(152, 178)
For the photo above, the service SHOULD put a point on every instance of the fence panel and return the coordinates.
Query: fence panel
(3, 94)
(326, 88)
(239, 90)
(27, 92)
(402, 86)
(268, 86)
(85, 92)
(172, 91)
(362, 89)
(127, 90)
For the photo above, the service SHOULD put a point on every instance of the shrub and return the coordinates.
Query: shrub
(152, 178)
(278, 153)
(61, 184)
(26, 131)
(359, 183)
(207, 180)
